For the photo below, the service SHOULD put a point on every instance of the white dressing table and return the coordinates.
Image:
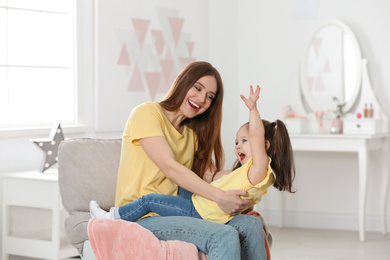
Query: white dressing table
(361, 144)
(333, 67)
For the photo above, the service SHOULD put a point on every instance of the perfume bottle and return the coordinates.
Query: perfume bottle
(365, 111)
(371, 111)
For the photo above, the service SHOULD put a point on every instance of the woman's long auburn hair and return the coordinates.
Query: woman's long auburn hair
(207, 126)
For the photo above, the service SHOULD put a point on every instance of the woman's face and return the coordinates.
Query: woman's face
(199, 96)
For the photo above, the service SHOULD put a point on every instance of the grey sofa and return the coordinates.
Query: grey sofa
(87, 170)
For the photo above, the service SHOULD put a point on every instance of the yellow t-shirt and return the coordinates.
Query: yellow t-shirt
(138, 175)
(236, 180)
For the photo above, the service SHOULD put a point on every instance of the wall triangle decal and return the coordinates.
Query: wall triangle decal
(320, 84)
(190, 47)
(153, 79)
(168, 54)
(185, 61)
(159, 42)
(141, 26)
(167, 67)
(176, 27)
(136, 83)
(317, 42)
(124, 56)
(310, 81)
(327, 66)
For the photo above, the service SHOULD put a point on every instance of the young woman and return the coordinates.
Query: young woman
(173, 143)
(262, 149)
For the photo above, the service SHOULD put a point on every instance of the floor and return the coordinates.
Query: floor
(311, 244)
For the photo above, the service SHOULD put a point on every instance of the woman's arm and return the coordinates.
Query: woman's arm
(159, 151)
(258, 170)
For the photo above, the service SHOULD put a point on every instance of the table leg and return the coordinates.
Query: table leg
(385, 183)
(281, 209)
(6, 223)
(363, 160)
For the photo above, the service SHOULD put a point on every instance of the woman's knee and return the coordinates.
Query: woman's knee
(228, 231)
(250, 229)
(251, 222)
(246, 224)
(227, 236)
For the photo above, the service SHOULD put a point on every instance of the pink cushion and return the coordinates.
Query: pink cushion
(119, 239)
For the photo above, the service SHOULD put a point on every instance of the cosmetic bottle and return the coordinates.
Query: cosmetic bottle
(371, 111)
(365, 111)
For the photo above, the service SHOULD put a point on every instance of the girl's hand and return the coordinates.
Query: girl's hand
(253, 213)
(248, 210)
(232, 203)
(253, 97)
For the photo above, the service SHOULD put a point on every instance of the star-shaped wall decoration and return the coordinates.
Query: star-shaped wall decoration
(50, 146)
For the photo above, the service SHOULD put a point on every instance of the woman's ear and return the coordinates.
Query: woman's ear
(267, 145)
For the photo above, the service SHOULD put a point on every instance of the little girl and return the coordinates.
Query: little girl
(264, 158)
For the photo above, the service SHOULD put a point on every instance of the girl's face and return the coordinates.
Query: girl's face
(243, 148)
(199, 96)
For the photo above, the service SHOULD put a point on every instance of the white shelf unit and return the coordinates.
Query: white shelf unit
(34, 190)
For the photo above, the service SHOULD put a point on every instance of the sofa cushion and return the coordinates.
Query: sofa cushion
(87, 170)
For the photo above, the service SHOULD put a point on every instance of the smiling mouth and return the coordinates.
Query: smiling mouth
(193, 105)
(242, 156)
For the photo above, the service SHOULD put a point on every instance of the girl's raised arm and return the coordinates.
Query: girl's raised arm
(258, 170)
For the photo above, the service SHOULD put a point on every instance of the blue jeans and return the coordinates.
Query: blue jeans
(241, 238)
(164, 205)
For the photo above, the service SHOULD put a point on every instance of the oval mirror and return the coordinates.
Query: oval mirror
(331, 67)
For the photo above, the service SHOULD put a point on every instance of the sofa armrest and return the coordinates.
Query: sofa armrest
(87, 170)
(76, 227)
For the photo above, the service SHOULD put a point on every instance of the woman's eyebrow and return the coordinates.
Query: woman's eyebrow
(204, 87)
(199, 83)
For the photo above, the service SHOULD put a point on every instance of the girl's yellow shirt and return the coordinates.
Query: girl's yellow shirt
(236, 180)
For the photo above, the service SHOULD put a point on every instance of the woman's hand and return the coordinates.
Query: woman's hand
(231, 202)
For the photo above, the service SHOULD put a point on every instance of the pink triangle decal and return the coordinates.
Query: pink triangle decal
(190, 47)
(153, 80)
(327, 66)
(168, 54)
(124, 56)
(317, 42)
(141, 26)
(176, 27)
(167, 67)
(172, 78)
(310, 81)
(185, 61)
(164, 87)
(159, 42)
(320, 84)
(136, 84)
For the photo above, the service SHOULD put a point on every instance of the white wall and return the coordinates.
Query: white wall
(271, 42)
(223, 54)
(260, 42)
